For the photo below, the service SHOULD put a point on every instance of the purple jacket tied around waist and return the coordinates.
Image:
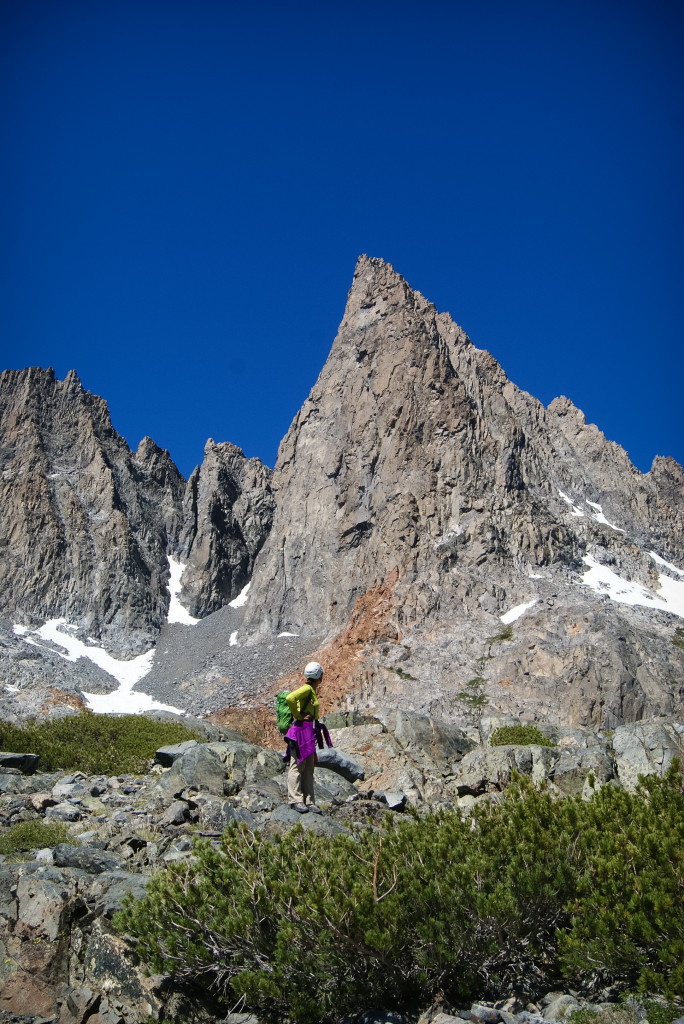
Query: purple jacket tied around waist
(306, 735)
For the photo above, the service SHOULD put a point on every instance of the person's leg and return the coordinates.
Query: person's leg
(294, 781)
(307, 776)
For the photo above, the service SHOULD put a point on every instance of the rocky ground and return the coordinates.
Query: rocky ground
(61, 960)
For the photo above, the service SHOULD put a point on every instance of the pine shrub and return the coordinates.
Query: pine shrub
(32, 835)
(94, 744)
(522, 735)
(525, 895)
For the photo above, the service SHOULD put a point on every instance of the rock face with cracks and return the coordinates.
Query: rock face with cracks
(415, 468)
(86, 525)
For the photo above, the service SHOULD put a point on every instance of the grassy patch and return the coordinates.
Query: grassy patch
(678, 638)
(32, 835)
(505, 634)
(94, 744)
(521, 735)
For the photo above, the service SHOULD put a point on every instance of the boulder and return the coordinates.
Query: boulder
(491, 768)
(574, 766)
(63, 812)
(644, 748)
(341, 763)
(441, 740)
(175, 814)
(41, 899)
(166, 756)
(331, 786)
(25, 763)
(219, 768)
(87, 858)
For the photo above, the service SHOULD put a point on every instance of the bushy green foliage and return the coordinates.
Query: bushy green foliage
(309, 928)
(473, 700)
(32, 835)
(95, 744)
(522, 735)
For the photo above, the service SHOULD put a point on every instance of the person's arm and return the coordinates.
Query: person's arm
(299, 700)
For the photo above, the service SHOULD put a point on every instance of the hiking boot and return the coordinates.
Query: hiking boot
(300, 808)
(314, 809)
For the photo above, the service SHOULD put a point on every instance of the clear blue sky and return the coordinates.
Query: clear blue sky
(187, 185)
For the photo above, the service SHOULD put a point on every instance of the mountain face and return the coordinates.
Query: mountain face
(416, 466)
(435, 523)
(227, 514)
(86, 525)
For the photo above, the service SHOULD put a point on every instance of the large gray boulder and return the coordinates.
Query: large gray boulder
(218, 768)
(165, 756)
(87, 858)
(645, 748)
(485, 770)
(25, 763)
(340, 763)
(443, 741)
(574, 768)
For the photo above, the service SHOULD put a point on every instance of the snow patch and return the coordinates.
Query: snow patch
(515, 613)
(233, 639)
(670, 597)
(127, 673)
(668, 565)
(9, 688)
(241, 599)
(575, 510)
(287, 634)
(177, 613)
(600, 518)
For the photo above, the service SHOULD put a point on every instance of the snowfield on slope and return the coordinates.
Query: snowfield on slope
(127, 673)
(601, 579)
(177, 613)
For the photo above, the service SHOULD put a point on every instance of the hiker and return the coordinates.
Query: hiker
(302, 736)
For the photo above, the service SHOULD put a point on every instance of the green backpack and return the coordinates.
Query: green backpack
(284, 717)
(283, 713)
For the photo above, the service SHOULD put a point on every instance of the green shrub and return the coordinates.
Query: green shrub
(505, 634)
(32, 835)
(94, 744)
(522, 735)
(678, 641)
(528, 892)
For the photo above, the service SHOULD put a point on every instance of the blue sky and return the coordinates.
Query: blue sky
(187, 186)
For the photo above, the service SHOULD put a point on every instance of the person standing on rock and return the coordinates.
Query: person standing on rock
(302, 736)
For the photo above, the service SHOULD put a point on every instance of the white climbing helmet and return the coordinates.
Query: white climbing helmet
(313, 670)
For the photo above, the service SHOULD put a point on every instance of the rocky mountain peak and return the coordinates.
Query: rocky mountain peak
(227, 513)
(417, 467)
(81, 533)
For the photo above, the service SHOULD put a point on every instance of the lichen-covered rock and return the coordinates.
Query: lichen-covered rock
(490, 769)
(645, 748)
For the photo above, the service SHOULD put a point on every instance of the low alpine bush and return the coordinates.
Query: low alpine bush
(94, 744)
(32, 835)
(525, 895)
(522, 735)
